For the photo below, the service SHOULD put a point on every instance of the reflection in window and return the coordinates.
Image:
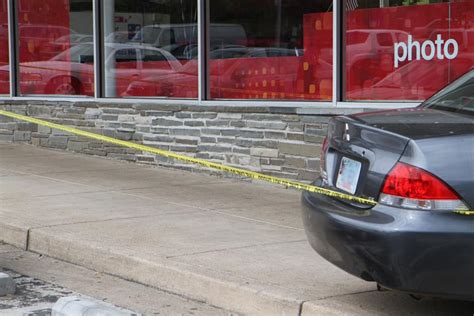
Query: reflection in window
(396, 51)
(458, 97)
(4, 53)
(148, 47)
(278, 49)
(54, 37)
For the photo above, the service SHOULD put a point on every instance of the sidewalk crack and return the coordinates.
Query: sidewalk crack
(104, 220)
(236, 248)
(27, 244)
(343, 295)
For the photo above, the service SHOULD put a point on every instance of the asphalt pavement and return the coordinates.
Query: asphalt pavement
(41, 282)
(236, 245)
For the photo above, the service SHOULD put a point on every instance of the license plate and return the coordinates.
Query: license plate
(348, 175)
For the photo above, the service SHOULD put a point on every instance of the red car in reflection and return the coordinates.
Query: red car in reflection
(34, 39)
(413, 81)
(260, 73)
(72, 71)
(52, 48)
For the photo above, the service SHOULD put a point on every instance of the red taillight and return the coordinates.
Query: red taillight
(411, 187)
(415, 183)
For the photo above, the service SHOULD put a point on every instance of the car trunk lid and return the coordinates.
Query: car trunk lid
(421, 137)
(359, 156)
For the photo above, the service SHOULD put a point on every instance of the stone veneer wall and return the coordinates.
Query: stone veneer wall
(282, 142)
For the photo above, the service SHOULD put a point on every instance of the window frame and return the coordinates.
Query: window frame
(306, 107)
(13, 47)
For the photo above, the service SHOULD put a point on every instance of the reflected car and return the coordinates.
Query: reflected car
(370, 53)
(412, 81)
(274, 52)
(118, 37)
(230, 77)
(238, 72)
(183, 52)
(191, 51)
(181, 83)
(32, 38)
(424, 31)
(50, 49)
(72, 72)
(224, 52)
(418, 164)
(366, 45)
(161, 35)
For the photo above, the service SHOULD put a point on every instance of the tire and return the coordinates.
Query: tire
(64, 86)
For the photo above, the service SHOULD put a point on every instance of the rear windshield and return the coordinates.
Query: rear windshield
(77, 54)
(457, 97)
(147, 35)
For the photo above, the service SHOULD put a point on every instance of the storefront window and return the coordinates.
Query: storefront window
(4, 53)
(151, 48)
(271, 49)
(406, 50)
(54, 41)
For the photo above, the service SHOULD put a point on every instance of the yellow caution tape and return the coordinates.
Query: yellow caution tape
(204, 163)
(201, 162)
(464, 212)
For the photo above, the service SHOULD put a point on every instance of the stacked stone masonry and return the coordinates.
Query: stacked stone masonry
(272, 140)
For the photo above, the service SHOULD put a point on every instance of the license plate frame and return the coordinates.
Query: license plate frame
(348, 175)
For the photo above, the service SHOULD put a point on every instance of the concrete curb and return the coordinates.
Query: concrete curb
(312, 308)
(14, 235)
(167, 275)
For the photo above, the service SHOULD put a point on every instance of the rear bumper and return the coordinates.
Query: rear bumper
(414, 251)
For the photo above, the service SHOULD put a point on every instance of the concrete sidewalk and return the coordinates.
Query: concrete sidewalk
(232, 244)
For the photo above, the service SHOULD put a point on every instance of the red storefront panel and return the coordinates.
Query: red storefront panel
(4, 53)
(46, 43)
(292, 75)
(407, 52)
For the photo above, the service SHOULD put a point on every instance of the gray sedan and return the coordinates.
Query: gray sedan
(419, 165)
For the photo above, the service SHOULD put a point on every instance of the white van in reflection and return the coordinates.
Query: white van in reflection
(184, 35)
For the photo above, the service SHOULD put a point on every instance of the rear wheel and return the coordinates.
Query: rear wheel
(64, 86)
